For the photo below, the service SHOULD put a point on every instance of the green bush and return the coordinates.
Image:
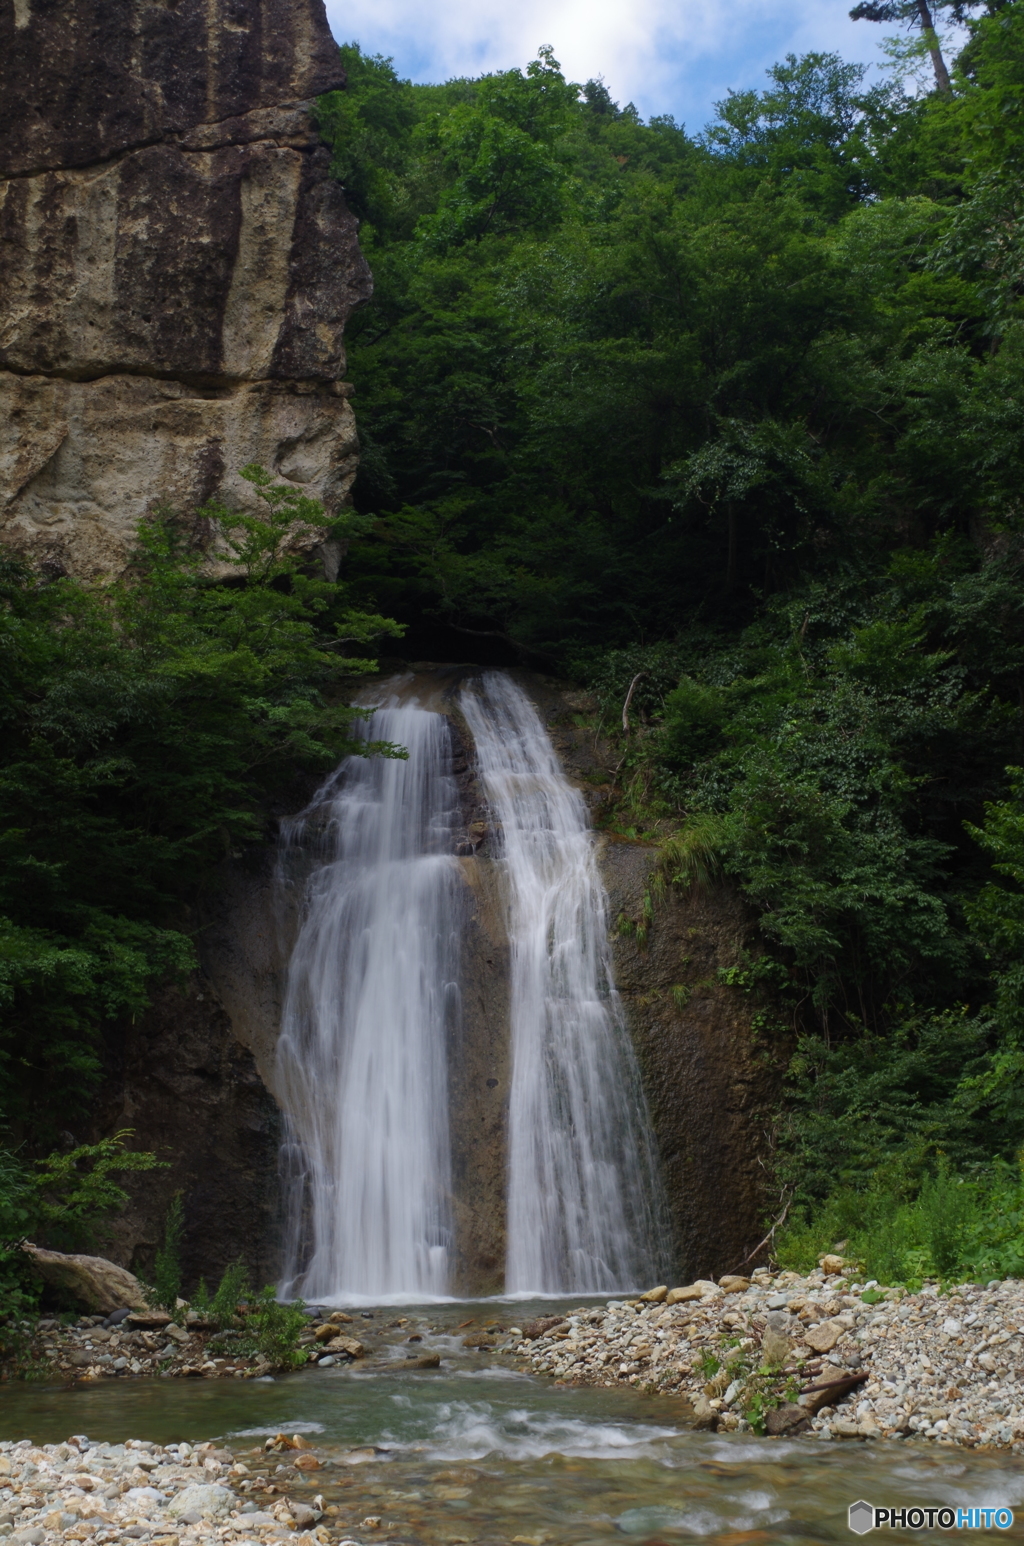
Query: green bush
(953, 1227)
(945, 1206)
(62, 1201)
(231, 1291)
(273, 1329)
(166, 1288)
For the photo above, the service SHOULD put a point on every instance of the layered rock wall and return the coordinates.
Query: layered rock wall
(176, 266)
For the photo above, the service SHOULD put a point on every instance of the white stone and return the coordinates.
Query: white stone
(211, 1500)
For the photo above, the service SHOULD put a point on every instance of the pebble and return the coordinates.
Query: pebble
(52, 1494)
(942, 1365)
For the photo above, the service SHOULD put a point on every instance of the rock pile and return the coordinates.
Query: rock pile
(822, 1355)
(171, 1496)
(137, 1343)
(147, 1343)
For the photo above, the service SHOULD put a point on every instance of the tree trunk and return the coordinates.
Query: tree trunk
(938, 63)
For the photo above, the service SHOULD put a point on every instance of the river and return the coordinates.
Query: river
(479, 1452)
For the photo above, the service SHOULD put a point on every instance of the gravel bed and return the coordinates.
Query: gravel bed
(140, 1492)
(939, 1365)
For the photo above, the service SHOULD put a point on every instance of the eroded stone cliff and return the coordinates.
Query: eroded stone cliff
(176, 266)
(711, 1083)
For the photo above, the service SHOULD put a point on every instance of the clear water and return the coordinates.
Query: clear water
(583, 1198)
(473, 1453)
(371, 994)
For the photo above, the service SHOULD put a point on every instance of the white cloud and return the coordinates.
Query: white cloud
(668, 56)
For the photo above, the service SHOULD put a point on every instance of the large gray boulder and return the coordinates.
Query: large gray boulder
(100, 1285)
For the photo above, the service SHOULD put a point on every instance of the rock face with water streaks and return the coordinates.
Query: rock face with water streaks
(182, 1078)
(176, 266)
(710, 1086)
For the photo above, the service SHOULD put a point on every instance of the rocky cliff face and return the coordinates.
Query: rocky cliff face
(176, 267)
(710, 1084)
(181, 1079)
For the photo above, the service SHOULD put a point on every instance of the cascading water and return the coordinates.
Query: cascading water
(371, 995)
(584, 1204)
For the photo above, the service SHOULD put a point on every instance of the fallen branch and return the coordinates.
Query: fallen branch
(831, 1392)
(780, 1220)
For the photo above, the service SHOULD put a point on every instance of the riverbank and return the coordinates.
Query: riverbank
(820, 1355)
(137, 1344)
(464, 1447)
(167, 1496)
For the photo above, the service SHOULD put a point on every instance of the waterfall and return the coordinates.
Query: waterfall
(583, 1196)
(371, 995)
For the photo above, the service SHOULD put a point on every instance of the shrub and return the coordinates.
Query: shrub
(274, 1329)
(231, 1291)
(62, 1201)
(166, 1287)
(950, 1227)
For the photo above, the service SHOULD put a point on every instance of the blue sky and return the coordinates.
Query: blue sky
(667, 56)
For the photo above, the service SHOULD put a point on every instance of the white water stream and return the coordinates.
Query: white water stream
(372, 996)
(582, 1187)
(371, 991)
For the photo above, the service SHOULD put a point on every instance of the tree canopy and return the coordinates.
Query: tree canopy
(737, 410)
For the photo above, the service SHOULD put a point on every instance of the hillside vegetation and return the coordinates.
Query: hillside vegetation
(736, 417)
(730, 420)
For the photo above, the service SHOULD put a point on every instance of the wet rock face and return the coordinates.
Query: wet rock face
(176, 266)
(182, 1080)
(710, 1087)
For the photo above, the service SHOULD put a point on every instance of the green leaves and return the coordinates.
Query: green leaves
(504, 180)
(63, 1202)
(67, 1195)
(147, 728)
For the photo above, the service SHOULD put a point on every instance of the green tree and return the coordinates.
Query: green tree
(915, 13)
(147, 727)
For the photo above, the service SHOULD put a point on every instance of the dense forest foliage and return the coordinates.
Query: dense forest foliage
(732, 418)
(147, 729)
(736, 417)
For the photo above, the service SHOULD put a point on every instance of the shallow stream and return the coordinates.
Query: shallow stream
(482, 1453)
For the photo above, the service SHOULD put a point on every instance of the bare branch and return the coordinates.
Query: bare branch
(629, 699)
(760, 1247)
